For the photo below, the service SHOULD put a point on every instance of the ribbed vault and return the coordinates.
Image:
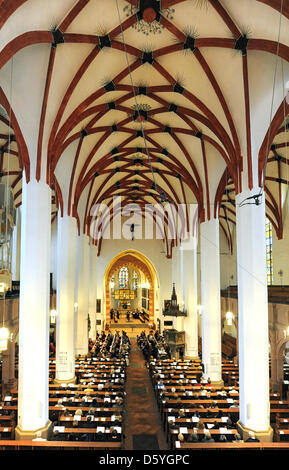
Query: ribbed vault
(151, 101)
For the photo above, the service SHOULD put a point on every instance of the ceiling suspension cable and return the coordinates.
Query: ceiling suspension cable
(257, 198)
(155, 186)
(285, 129)
(6, 260)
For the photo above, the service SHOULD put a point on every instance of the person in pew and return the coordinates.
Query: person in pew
(179, 402)
(237, 438)
(117, 418)
(114, 436)
(229, 423)
(172, 424)
(56, 436)
(89, 423)
(193, 438)
(200, 426)
(214, 410)
(234, 405)
(59, 403)
(91, 411)
(215, 425)
(100, 436)
(181, 413)
(252, 437)
(207, 438)
(223, 438)
(13, 424)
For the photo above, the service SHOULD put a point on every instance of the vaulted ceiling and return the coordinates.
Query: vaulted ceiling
(153, 101)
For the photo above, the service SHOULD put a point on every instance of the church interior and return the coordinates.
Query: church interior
(144, 236)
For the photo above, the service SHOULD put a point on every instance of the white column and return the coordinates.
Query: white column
(252, 314)
(210, 293)
(34, 307)
(16, 245)
(190, 297)
(92, 290)
(65, 322)
(82, 295)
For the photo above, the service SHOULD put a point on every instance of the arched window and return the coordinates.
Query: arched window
(269, 257)
(123, 277)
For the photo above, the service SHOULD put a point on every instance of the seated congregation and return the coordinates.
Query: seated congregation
(192, 410)
(91, 409)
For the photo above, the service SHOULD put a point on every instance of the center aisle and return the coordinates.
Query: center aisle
(142, 415)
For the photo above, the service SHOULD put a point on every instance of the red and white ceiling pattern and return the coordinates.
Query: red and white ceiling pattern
(180, 73)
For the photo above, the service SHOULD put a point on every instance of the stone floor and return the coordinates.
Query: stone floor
(142, 414)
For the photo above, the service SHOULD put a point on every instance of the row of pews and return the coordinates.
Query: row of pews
(87, 414)
(193, 412)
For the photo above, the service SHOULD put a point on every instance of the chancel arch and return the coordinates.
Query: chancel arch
(119, 276)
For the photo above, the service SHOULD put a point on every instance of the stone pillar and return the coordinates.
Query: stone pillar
(190, 298)
(253, 317)
(82, 295)
(65, 320)
(92, 290)
(211, 300)
(16, 244)
(34, 310)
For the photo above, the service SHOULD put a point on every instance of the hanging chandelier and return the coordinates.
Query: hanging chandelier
(148, 22)
(140, 112)
(53, 315)
(229, 318)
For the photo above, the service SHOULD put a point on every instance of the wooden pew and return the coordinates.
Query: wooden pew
(234, 445)
(56, 445)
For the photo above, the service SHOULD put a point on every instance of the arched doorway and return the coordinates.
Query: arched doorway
(120, 270)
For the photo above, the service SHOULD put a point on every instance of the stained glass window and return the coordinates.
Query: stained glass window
(269, 258)
(123, 277)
